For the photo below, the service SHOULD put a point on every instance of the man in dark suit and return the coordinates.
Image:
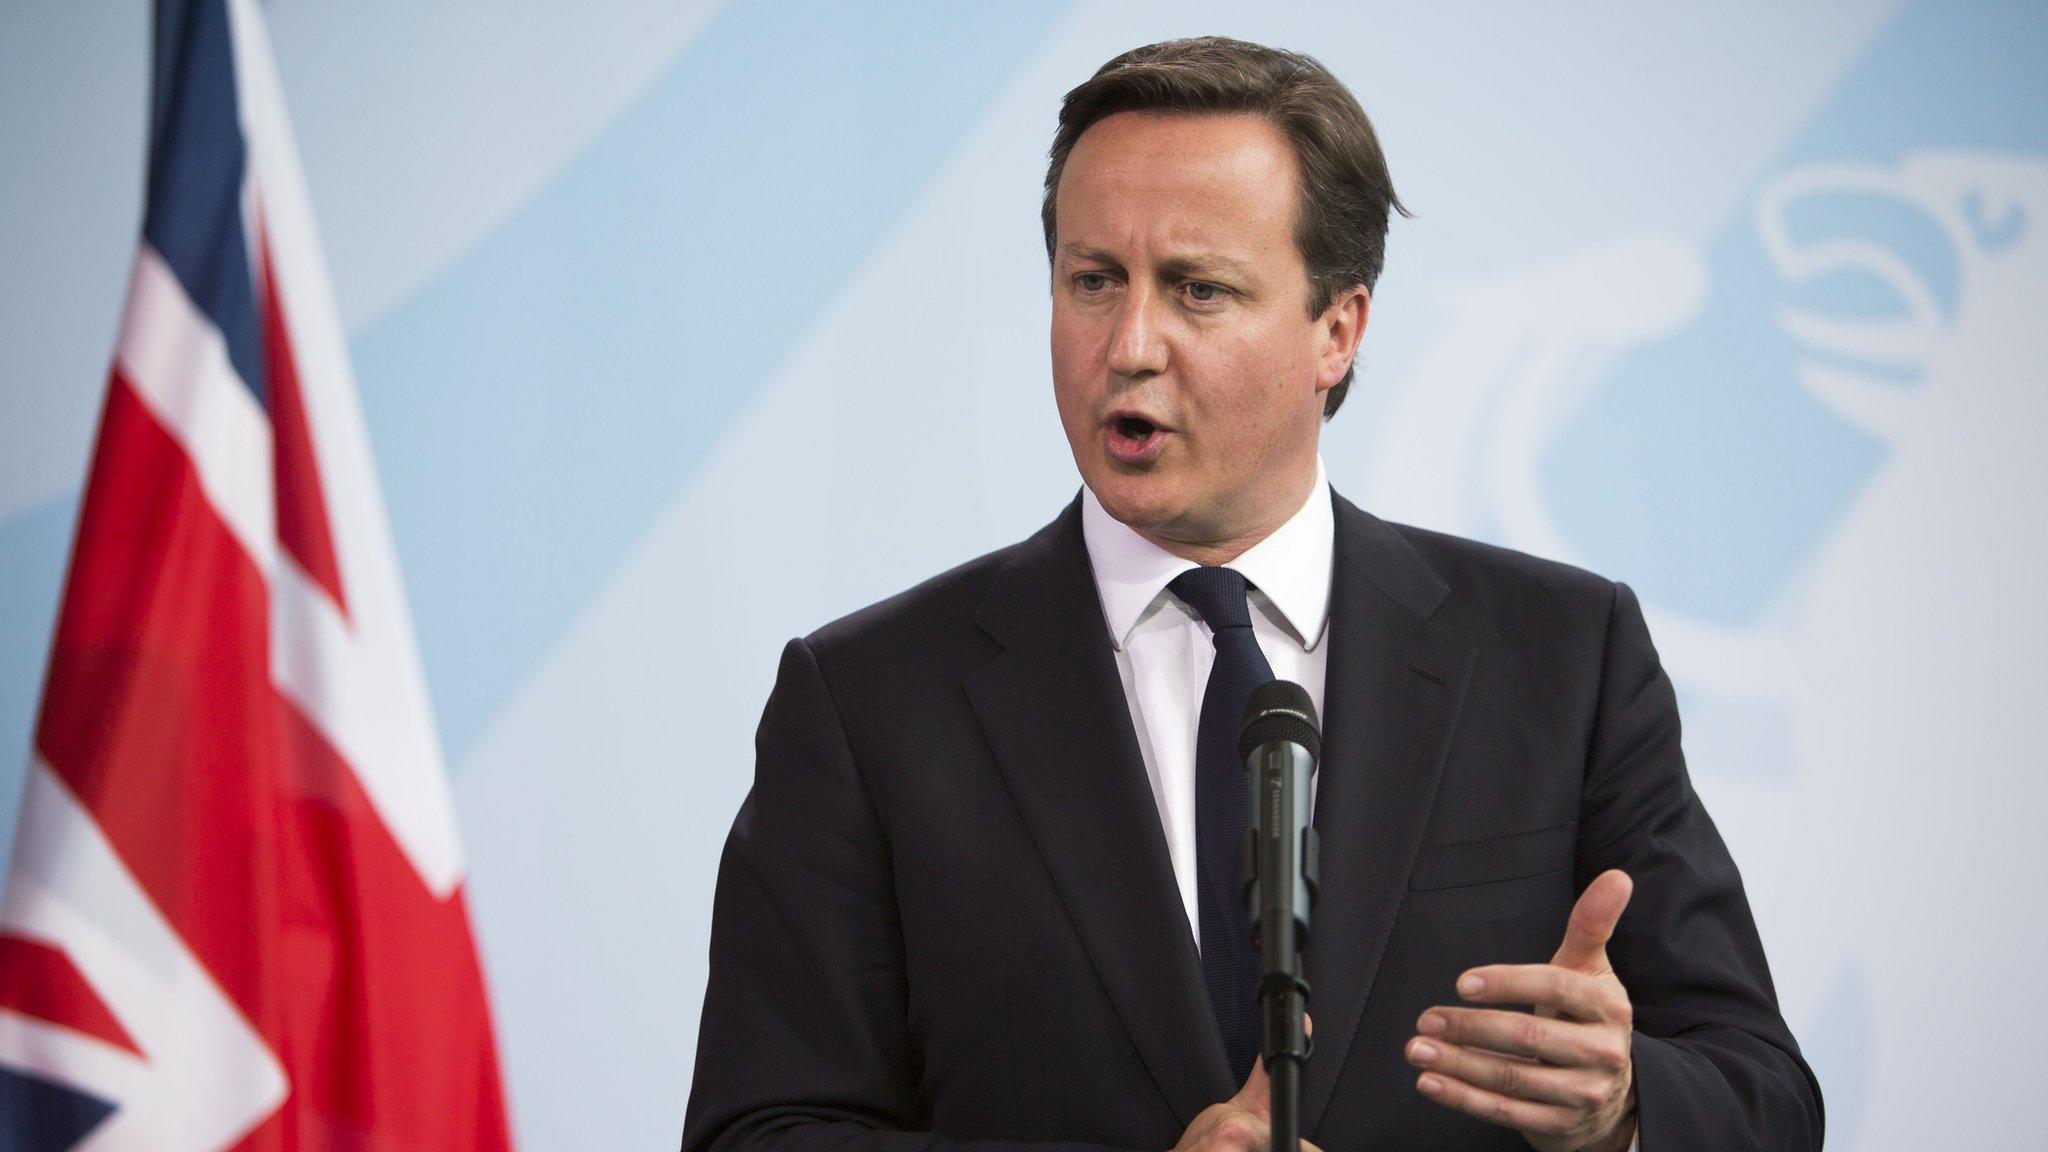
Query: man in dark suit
(980, 890)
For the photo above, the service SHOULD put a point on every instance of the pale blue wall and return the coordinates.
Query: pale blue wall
(680, 328)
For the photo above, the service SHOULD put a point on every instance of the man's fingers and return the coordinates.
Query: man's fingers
(1560, 989)
(1491, 1106)
(1225, 1128)
(1592, 921)
(1564, 1043)
(1257, 1093)
(1256, 1096)
(1577, 1088)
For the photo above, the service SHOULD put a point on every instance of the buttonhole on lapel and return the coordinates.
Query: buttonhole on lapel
(1425, 673)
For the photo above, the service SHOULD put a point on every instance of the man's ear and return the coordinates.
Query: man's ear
(1338, 332)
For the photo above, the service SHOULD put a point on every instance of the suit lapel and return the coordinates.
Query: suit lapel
(1052, 708)
(1390, 703)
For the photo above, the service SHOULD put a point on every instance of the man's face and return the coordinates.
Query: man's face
(1188, 372)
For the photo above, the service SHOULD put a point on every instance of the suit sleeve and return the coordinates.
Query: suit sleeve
(1715, 1064)
(805, 1040)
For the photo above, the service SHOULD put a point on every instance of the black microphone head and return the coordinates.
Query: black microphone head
(1280, 710)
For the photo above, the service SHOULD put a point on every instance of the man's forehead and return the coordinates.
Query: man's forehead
(1161, 129)
(1198, 169)
(1201, 153)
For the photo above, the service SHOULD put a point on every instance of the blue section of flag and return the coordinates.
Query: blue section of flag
(37, 1115)
(197, 158)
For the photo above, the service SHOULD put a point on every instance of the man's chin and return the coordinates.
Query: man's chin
(1144, 503)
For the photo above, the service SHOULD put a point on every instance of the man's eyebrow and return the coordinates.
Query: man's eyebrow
(1192, 264)
(1075, 251)
(1205, 264)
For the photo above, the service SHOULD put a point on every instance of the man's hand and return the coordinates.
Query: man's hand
(1562, 1076)
(1241, 1123)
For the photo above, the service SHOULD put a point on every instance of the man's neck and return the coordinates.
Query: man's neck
(1210, 554)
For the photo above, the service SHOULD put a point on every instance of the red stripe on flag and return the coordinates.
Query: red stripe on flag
(379, 975)
(247, 830)
(302, 525)
(155, 709)
(38, 980)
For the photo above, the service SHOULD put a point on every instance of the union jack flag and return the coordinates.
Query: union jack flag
(235, 916)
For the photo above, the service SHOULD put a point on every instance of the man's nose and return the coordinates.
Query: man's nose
(1137, 345)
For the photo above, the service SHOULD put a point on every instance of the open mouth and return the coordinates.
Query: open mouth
(1135, 440)
(1135, 427)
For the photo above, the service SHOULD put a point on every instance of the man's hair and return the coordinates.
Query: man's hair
(1340, 225)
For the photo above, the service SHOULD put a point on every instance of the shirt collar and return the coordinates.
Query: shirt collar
(1291, 566)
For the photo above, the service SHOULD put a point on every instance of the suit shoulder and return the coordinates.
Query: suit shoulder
(1490, 583)
(1451, 555)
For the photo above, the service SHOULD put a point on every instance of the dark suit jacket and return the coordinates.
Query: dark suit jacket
(946, 911)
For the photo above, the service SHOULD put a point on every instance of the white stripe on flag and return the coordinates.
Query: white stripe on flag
(359, 680)
(355, 679)
(67, 1056)
(208, 1077)
(174, 356)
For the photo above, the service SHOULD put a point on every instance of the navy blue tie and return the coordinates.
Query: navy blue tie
(1230, 966)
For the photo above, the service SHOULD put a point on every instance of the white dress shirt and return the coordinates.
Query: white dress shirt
(1163, 649)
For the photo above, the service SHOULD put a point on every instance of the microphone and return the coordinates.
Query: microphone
(1280, 743)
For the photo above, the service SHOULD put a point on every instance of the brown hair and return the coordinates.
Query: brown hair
(1346, 193)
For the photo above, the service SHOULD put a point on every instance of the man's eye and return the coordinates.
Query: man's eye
(1091, 281)
(1203, 293)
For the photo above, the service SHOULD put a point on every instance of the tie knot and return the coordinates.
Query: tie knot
(1217, 594)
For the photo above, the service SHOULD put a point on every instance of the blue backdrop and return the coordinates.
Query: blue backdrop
(679, 326)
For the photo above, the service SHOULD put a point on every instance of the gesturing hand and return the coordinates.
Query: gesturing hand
(1241, 1123)
(1563, 1076)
